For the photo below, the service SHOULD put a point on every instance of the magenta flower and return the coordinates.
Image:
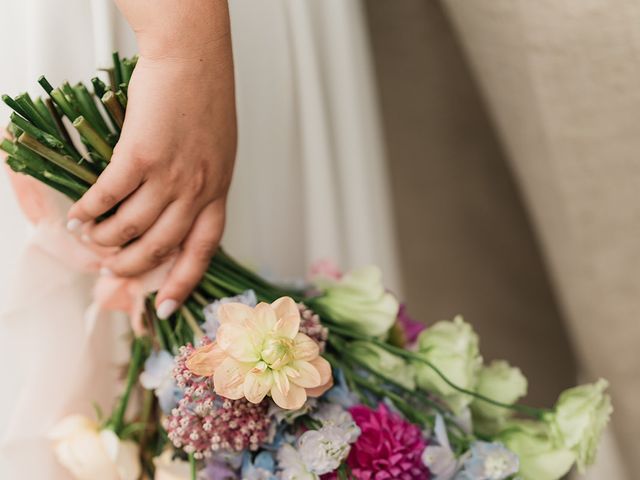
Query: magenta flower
(410, 327)
(388, 447)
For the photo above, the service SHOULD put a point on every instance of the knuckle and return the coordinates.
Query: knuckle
(142, 161)
(198, 183)
(173, 174)
(157, 253)
(203, 251)
(129, 232)
(106, 198)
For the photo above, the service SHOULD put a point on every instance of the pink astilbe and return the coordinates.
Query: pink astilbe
(203, 422)
(388, 447)
(311, 326)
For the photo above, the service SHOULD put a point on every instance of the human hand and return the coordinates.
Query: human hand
(170, 172)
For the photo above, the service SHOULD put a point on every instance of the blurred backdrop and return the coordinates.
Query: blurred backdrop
(512, 139)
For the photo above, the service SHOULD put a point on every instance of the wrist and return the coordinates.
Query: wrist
(193, 28)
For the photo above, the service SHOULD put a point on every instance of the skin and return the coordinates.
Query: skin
(172, 167)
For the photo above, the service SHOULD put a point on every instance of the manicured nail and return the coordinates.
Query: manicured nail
(106, 272)
(73, 225)
(166, 308)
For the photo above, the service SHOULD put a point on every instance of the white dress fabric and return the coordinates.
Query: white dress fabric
(309, 184)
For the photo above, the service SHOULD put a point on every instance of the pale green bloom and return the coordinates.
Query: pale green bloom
(359, 301)
(385, 363)
(452, 346)
(501, 382)
(540, 458)
(579, 418)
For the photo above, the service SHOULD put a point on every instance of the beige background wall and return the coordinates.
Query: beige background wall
(466, 243)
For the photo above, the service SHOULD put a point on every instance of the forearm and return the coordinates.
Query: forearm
(179, 28)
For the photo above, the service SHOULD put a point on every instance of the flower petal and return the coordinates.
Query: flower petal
(234, 312)
(206, 359)
(228, 379)
(238, 342)
(308, 375)
(293, 400)
(264, 317)
(326, 377)
(288, 316)
(304, 348)
(257, 385)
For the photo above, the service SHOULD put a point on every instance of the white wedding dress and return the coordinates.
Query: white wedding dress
(310, 184)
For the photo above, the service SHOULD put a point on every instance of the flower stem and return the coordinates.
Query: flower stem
(192, 462)
(137, 354)
(193, 324)
(93, 137)
(408, 355)
(59, 159)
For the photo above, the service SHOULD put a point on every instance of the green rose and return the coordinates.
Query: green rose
(579, 418)
(359, 301)
(388, 365)
(451, 346)
(501, 382)
(539, 458)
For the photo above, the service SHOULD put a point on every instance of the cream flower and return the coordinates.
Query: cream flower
(93, 454)
(169, 468)
(259, 351)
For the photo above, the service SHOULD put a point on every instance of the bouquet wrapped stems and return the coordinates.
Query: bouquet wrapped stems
(43, 147)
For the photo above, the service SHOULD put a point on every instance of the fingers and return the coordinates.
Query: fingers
(134, 217)
(164, 237)
(119, 179)
(198, 248)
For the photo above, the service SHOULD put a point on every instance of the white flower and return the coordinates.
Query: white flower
(320, 451)
(292, 466)
(158, 376)
(502, 382)
(333, 415)
(440, 459)
(359, 301)
(212, 322)
(91, 454)
(452, 346)
(168, 468)
(579, 418)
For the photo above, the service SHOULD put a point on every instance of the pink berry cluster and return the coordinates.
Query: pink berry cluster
(311, 326)
(204, 423)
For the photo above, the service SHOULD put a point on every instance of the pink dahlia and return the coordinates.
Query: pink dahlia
(388, 447)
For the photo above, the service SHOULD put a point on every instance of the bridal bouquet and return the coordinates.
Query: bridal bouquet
(254, 380)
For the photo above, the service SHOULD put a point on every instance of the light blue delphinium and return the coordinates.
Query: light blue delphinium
(158, 376)
(262, 467)
(212, 322)
(489, 461)
(340, 393)
(439, 458)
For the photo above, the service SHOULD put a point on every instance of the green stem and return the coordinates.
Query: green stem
(137, 354)
(406, 354)
(67, 108)
(93, 137)
(63, 161)
(194, 467)
(193, 324)
(116, 112)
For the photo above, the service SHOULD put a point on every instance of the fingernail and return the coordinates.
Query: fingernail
(166, 308)
(106, 272)
(85, 238)
(73, 225)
